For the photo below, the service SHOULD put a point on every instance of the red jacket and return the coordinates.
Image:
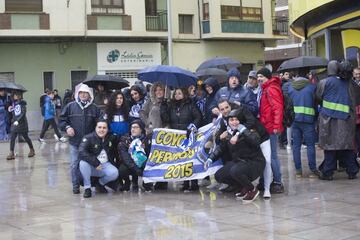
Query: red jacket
(272, 105)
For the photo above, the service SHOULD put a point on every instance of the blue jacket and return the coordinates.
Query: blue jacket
(118, 125)
(302, 93)
(336, 98)
(49, 106)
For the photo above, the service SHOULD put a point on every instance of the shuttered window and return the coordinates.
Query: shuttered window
(23, 5)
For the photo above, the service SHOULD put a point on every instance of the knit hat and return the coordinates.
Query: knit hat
(234, 72)
(265, 72)
(140, 124)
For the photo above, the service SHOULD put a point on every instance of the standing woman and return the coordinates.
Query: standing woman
(136, 102)
(117, 114)
(178, 114)
(19, 125)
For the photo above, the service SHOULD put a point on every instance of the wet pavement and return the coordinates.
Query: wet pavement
(36, 202)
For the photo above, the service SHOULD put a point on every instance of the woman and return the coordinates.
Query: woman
(211, 111)
(137, 102)
(117, 114)
(178, 114)
(19, 125)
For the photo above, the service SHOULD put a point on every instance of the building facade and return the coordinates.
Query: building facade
(57, 44)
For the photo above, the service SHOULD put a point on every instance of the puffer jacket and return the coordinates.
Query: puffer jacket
(19, 115)
(272, 105)
(179, 114)
(82, 118)
(92, 145)
(49, 106)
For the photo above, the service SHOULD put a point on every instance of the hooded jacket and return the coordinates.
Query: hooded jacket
(272, 105)
(210, 101)
(49, 112)
(19, 115)
(81, 116)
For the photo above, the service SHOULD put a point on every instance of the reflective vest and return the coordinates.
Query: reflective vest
(336, 99)
(303, 101)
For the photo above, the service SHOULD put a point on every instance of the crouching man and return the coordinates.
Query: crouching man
(97, 154)
(247, 161)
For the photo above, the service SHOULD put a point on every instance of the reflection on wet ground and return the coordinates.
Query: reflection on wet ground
(37, 203)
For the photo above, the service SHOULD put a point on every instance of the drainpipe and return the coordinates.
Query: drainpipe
(170, 43)
(200, 30)
(85, 25)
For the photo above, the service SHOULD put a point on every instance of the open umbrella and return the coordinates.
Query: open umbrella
(303, 62)
(168, 75)
(12, 86)
(217, 73)
(108, 81)
(224, 63)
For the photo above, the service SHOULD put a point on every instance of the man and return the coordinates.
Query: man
(355, 87)
(134, 150)
(247, 160)
(58, 104)
(302, 93)
(97, 158)
(252, 84)
(234, 93)
(336, 123)
(271, 116)
(78, 118)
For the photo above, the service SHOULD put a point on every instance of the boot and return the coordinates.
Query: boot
(11, 156)
(31, 153)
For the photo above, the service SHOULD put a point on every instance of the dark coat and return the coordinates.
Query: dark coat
(210, 101)
(82, 120)
(125, 158)
(19, 115)
(179, 114)
(91, 146)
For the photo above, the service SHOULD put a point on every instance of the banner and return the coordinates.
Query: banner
(171, 161)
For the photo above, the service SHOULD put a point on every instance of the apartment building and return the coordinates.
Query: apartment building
(58, 43)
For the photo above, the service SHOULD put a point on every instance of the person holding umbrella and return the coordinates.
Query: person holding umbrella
(19, 124)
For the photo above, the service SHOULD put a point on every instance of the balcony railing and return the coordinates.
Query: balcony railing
(157, 22)
(280, 26)
(242, 26)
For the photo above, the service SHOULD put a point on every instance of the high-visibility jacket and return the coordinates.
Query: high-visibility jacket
(303, 100)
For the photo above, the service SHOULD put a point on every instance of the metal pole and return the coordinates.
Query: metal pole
(170, 55)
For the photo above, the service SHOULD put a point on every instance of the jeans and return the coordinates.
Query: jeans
(107, 174)
(266, 150)
(304, 131)
(74, 166)
(275, 163)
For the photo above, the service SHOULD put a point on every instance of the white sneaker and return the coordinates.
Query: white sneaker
(63, 139)
(41, 140)
(56, 137)
(288, 147)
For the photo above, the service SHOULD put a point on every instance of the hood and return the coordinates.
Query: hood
(152, 91)
(83, 88)
(273, 80)
(211, 81)
(300, 83)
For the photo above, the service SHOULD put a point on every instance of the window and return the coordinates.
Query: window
(48, 80)
(186, 24)
(107, 6)
(249, 13)
(230, 12)
(241, 13)
(150, 8)
(77, 77)
(206, 11)
(23, 5)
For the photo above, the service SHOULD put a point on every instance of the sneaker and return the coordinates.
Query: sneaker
(325, 177)
(41, 140)
(87, 193)
(125, 187)
(56, 137)
(276, 188)
(314, 174)
(267, 195)
(76, 190)
(241, 194)
(63, 139)
(288, 147)
(148, 187)
(250, 196)
(298, 173)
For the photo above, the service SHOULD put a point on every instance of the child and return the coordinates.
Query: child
(19, 124)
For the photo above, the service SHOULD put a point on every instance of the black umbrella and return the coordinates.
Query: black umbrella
(303, 62)
(108, 81)
(12, 86)
(217, 73)
(225, 63)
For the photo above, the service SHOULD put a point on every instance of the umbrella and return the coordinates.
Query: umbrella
(225, 63)
(217, 73)
(12, 86)
(168, 75)
(108, 81)
(303, 62)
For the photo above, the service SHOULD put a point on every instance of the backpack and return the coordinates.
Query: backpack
(289, 113)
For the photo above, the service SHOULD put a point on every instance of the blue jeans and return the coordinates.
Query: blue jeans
(107, 174)
(275, 163)
(74, 166)
(304, 131)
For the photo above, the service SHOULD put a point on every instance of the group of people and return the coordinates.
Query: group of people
(112, 142)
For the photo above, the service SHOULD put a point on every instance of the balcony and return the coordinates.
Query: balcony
(280, 26)
(104, 22)
(242, 26)
(206, 26)
(157, 22)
